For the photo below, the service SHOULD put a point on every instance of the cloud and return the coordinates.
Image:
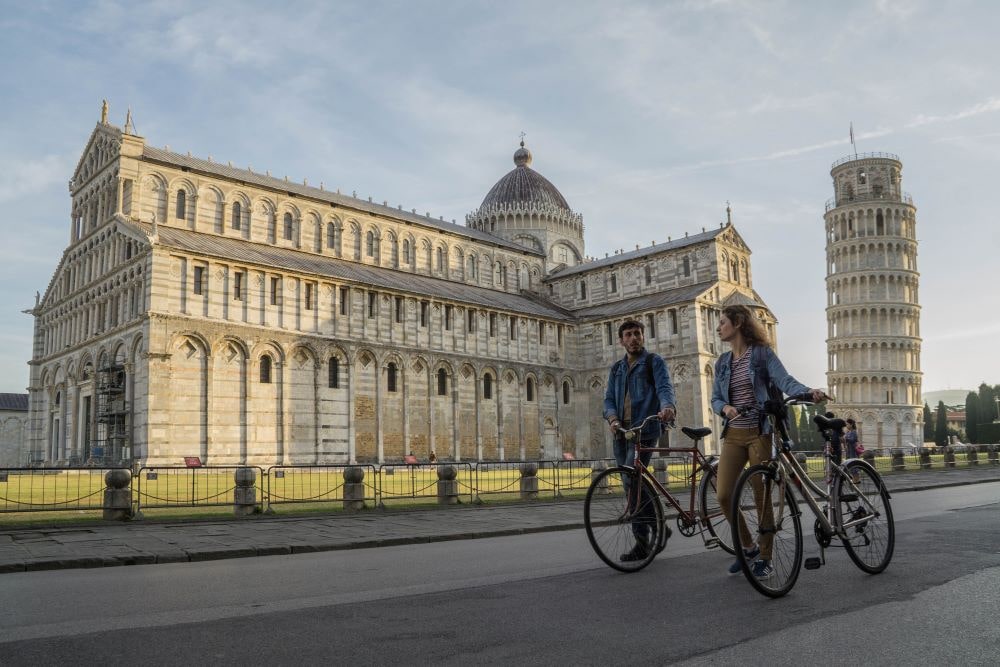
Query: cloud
(21, 178)
(988, 330)
(989, 106)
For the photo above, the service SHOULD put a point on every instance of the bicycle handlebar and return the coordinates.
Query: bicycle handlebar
(630, 433)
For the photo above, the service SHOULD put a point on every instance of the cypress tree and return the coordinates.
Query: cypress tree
(941, 429)
(972, 418)
(928, 424)
(987, 405)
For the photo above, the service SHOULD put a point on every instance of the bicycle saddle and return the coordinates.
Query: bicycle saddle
(695, 433)
(826, 424)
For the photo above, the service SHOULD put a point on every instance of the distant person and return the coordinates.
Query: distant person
(433, 458)
(638, 387)
(851, 439)
(738, 394)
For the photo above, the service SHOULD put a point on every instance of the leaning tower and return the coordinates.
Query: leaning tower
(873, 311)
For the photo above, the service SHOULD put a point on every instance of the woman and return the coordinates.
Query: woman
(742, 376)
(851, 438)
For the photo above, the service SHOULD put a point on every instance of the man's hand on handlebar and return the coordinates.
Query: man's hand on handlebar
(667, 414)
(818, 396)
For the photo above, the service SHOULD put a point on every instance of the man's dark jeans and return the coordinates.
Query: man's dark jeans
(624, 451)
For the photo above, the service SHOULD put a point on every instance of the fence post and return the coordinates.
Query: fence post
(994, 453)
(245, 493)
(596, 468)
(949, 457)
(529, 481)
(972, 455)
(354, 488)
(660, 470)
(447, 485)
(117, 495)
(925, 457)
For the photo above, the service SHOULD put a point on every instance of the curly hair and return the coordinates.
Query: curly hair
(750, 327)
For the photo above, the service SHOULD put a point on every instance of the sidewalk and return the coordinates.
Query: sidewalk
(147, 543)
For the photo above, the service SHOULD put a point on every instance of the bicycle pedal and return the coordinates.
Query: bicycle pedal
(712, 543)
(813, 563)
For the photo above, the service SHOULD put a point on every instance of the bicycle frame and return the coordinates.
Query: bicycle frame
(698, 463)
(807, 489)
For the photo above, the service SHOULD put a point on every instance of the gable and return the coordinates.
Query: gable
(102, 150)
(732, 238)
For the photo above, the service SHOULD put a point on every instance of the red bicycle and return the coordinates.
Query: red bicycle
(624, 511)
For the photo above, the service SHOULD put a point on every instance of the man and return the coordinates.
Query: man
(638, 387)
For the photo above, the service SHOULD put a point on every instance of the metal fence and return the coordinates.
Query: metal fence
(352, 486)
(51, 489)
(179, 486)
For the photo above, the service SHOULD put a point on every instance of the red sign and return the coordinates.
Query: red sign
(192, 461)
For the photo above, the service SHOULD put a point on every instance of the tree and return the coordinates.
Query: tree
(941, 429)
(928, 424)
(987, 404)
(972, 417)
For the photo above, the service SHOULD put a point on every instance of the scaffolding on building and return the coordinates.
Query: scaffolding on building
(112, 444)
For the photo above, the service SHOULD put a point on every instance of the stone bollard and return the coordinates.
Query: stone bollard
(898, 460)
(447, 485)
(529, 481)
(949, 457)
(596, 468)
(117, 495)
(354, 488)
(869, 456)
(993, 454)
(925, 457)
(660, 470)
(245, 493)
(972, 455)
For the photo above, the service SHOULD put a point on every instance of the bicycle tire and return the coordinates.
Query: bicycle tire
(786, 547)
(710, 511)
(609, 521)
(870, 543)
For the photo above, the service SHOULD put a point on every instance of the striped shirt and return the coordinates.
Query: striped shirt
(741, 391)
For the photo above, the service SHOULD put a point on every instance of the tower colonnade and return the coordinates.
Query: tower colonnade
(873, 310)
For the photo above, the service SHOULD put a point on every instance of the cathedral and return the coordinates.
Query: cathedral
(202, 309)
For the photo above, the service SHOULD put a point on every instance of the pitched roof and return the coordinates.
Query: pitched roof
(14, 402)
(621, 258)
(252, 178)
(240, 251)
(643, 303)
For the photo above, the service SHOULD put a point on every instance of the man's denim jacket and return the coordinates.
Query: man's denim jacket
(646, 400)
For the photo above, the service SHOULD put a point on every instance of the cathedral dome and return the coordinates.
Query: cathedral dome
(523, 186)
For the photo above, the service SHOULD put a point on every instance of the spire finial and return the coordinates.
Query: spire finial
(522, 135)
(104, 112)
(729, 213)
(129, 128)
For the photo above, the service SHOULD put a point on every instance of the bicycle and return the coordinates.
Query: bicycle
(856, 508)
(625, 501)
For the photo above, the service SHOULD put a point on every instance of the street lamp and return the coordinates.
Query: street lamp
(996, 399)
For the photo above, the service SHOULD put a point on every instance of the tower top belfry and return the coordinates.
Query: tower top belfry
(873, 310)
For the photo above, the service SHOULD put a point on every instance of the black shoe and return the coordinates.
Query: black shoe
(639, 552)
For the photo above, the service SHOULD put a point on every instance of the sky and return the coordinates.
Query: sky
(648, 116)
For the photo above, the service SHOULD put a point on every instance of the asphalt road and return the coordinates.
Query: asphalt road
(528, 599)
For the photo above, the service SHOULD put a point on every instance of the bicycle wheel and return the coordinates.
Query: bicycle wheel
(712, 516)
(623, 525)
(763, 500)
(864, 511)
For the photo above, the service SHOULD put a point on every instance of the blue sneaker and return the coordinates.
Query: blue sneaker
(751, 554)
(762, 568)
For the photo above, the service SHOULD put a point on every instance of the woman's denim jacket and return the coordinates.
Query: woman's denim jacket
(645, 400)
(758, 379)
